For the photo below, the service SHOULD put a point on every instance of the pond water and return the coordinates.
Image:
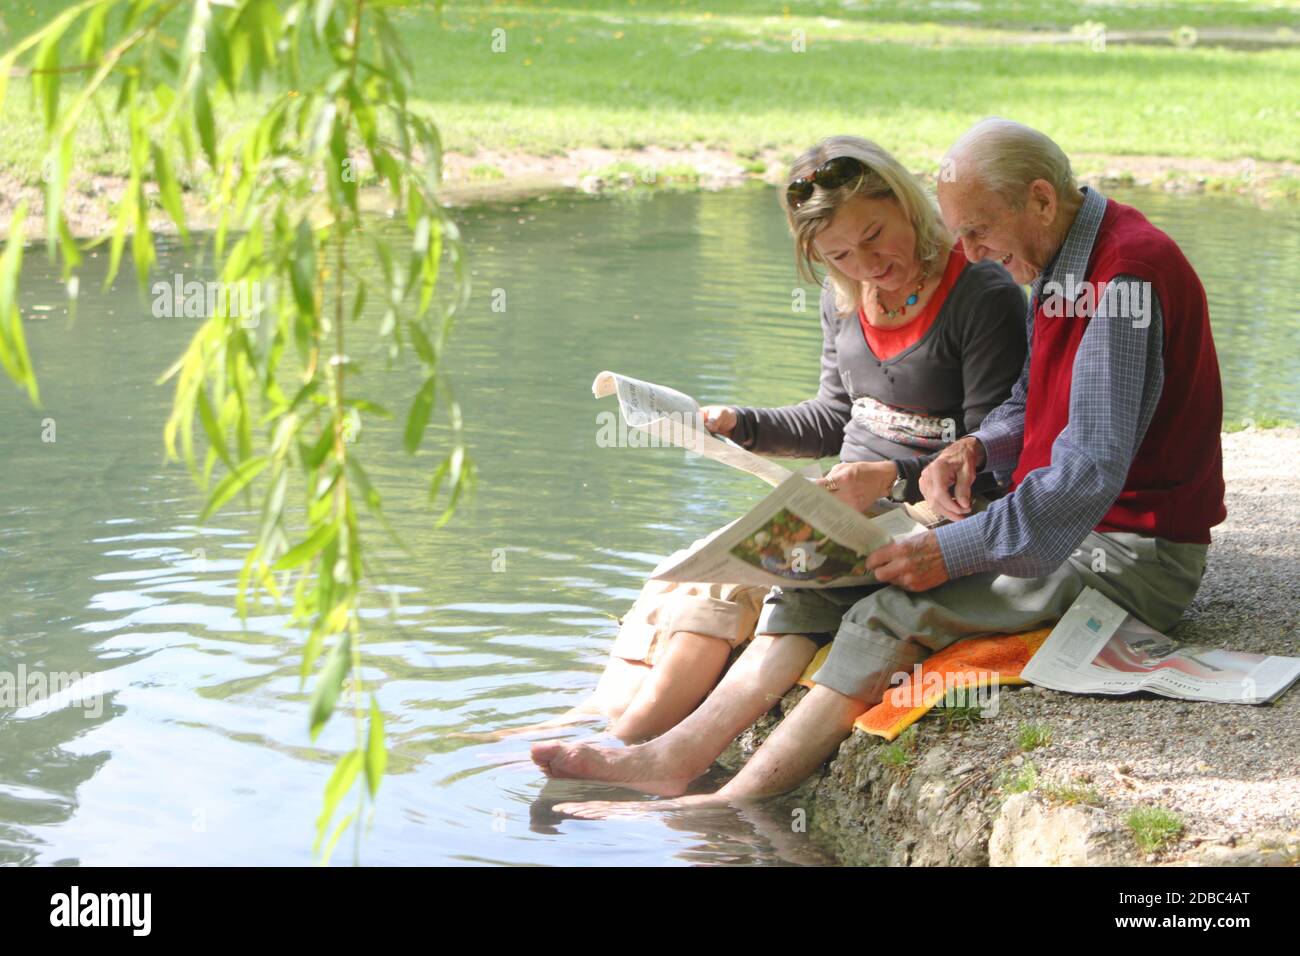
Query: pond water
(199, 753)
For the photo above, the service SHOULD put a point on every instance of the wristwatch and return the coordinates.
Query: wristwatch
(898, 490)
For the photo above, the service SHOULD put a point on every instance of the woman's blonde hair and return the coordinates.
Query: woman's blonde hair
(884, 178)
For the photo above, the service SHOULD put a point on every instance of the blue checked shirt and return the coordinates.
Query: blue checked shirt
(1118, 375)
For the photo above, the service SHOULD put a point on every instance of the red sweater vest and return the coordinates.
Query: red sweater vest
(1174, 487)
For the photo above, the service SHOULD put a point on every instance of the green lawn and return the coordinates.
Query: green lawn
(910, 74)
(580, 79)
(998, 14)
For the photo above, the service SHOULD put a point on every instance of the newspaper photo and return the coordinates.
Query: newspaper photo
(1099, 648)
(799, 536)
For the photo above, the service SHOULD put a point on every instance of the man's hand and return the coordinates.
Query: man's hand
(947, 480)
(915, 563)
(859, 484)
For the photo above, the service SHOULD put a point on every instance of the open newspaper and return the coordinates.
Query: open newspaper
(673, 418)
(1099, 648)
(799, 536)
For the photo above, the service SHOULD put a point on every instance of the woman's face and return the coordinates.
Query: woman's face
(871, 240)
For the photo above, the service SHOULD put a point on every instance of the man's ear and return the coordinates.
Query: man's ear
(945, 198)
(1043, 200)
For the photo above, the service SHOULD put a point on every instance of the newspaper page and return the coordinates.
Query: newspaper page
(799, 536)
(925, 514)
(673, 418)
(1099, 648)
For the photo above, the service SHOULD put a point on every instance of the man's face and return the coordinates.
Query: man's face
(989, 227)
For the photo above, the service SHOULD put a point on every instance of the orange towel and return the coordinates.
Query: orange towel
(973, 662)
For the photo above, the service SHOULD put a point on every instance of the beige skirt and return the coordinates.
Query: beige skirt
(728, 612)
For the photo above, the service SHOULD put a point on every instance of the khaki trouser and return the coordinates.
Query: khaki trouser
(887, 630)
(728, 612)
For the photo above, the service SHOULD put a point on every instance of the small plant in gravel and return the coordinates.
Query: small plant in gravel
(1153, 827)
(1033, 735)
(1018, 779)
(956, 707)
(1072, 792)
(902, 752)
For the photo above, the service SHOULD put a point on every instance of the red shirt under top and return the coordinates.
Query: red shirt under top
(886, 343)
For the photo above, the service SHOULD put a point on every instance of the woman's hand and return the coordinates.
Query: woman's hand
(719, 419)
(860, 483)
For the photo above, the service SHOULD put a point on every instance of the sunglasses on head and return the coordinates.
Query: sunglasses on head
(831, 174)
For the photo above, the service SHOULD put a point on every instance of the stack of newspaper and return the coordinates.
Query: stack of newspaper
(1100, 648)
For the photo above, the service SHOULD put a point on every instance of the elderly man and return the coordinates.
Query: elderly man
(1110, 440)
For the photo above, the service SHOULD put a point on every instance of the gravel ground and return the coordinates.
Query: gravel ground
(1231, 772)
(1228, 769)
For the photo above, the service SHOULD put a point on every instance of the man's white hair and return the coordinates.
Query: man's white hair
(1007, 156)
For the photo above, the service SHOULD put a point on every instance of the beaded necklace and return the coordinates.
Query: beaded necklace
(911, 299)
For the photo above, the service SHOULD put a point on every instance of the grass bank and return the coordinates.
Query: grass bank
(563, 91)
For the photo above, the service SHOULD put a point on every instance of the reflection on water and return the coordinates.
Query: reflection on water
(198, 751)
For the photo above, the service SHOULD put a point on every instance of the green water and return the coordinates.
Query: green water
(200, 754)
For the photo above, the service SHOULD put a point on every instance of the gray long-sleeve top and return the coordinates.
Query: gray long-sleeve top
(963, 367)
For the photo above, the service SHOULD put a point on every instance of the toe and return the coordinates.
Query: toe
(544, 753)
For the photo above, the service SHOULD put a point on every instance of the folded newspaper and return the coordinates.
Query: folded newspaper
(1100, 648)
(799, 536)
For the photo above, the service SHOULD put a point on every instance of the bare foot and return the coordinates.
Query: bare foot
(634, 767)
(625, 809)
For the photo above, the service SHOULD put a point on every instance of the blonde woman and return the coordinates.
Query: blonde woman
(917, 346)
